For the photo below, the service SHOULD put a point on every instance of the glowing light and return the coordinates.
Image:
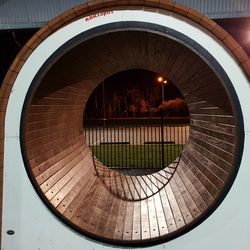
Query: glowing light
(160, 79)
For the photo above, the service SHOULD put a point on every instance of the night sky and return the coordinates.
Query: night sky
(133, 93)
(143, 80)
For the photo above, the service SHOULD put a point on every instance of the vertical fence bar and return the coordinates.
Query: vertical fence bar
(154, 144)
(124, 141)
(100, 140)
(171, 146)
(131, 145)
(175, 143)
(122, 136)
(92, 139)
(106, 144)
(162, 139)
(159, 143)
(139, 146)
(167, 142)
(136, 148)
(145, 130)
(118, 145)
(133, 149)
(111, 144)
(149, 138)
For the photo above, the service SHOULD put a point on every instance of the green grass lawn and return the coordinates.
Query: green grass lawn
(147, 156)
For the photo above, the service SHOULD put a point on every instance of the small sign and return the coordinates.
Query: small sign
(101, 14)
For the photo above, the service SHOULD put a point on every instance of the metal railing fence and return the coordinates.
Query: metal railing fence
(137, 143)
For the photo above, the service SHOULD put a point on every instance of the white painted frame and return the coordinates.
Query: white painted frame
(37, 228)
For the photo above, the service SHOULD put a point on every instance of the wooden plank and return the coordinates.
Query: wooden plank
(212, 183)
(128, 225)
(215, 142)
(198, 89)
(179, 220)
(191, 189)
(161, 220)
(193, 209)
(227, 157)
(59, 144)
(52, 101)
(57, 174)
(153, 223)
(110, 227)
(44, 123)
(55, 169)
(55, 109)
(211, 165)
(60, 94)
(86, 207)
(54, 121)
(223, 165)
(225, 120)
(136, 187)
(119, 226)
(217, 99)
(169, 217)
(97, 216)
(69, 186)
(220, 128)
(145, 228)
(186, 214)
(187, 76)
(211, 110)
(114, 181)
(36, 143)
(197, 105)
(83, 184)
(175, 60)
(36, 118)
(56, 159)
(117, 183)
(128, 185)
(54, 145)
(146, 186)
(196, 81)
(143, 188)
(199, 181)
(51, 152)
(105, 215)
(74, 208)
(33, 135)
(50, 193)
(220, 136)
(136, 231)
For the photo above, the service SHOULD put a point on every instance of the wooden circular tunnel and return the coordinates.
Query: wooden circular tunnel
(60, 164)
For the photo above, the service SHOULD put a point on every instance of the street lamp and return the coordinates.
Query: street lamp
(163, 82)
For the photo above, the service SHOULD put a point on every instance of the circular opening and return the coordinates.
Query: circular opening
(136, 123)
(60, 163)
